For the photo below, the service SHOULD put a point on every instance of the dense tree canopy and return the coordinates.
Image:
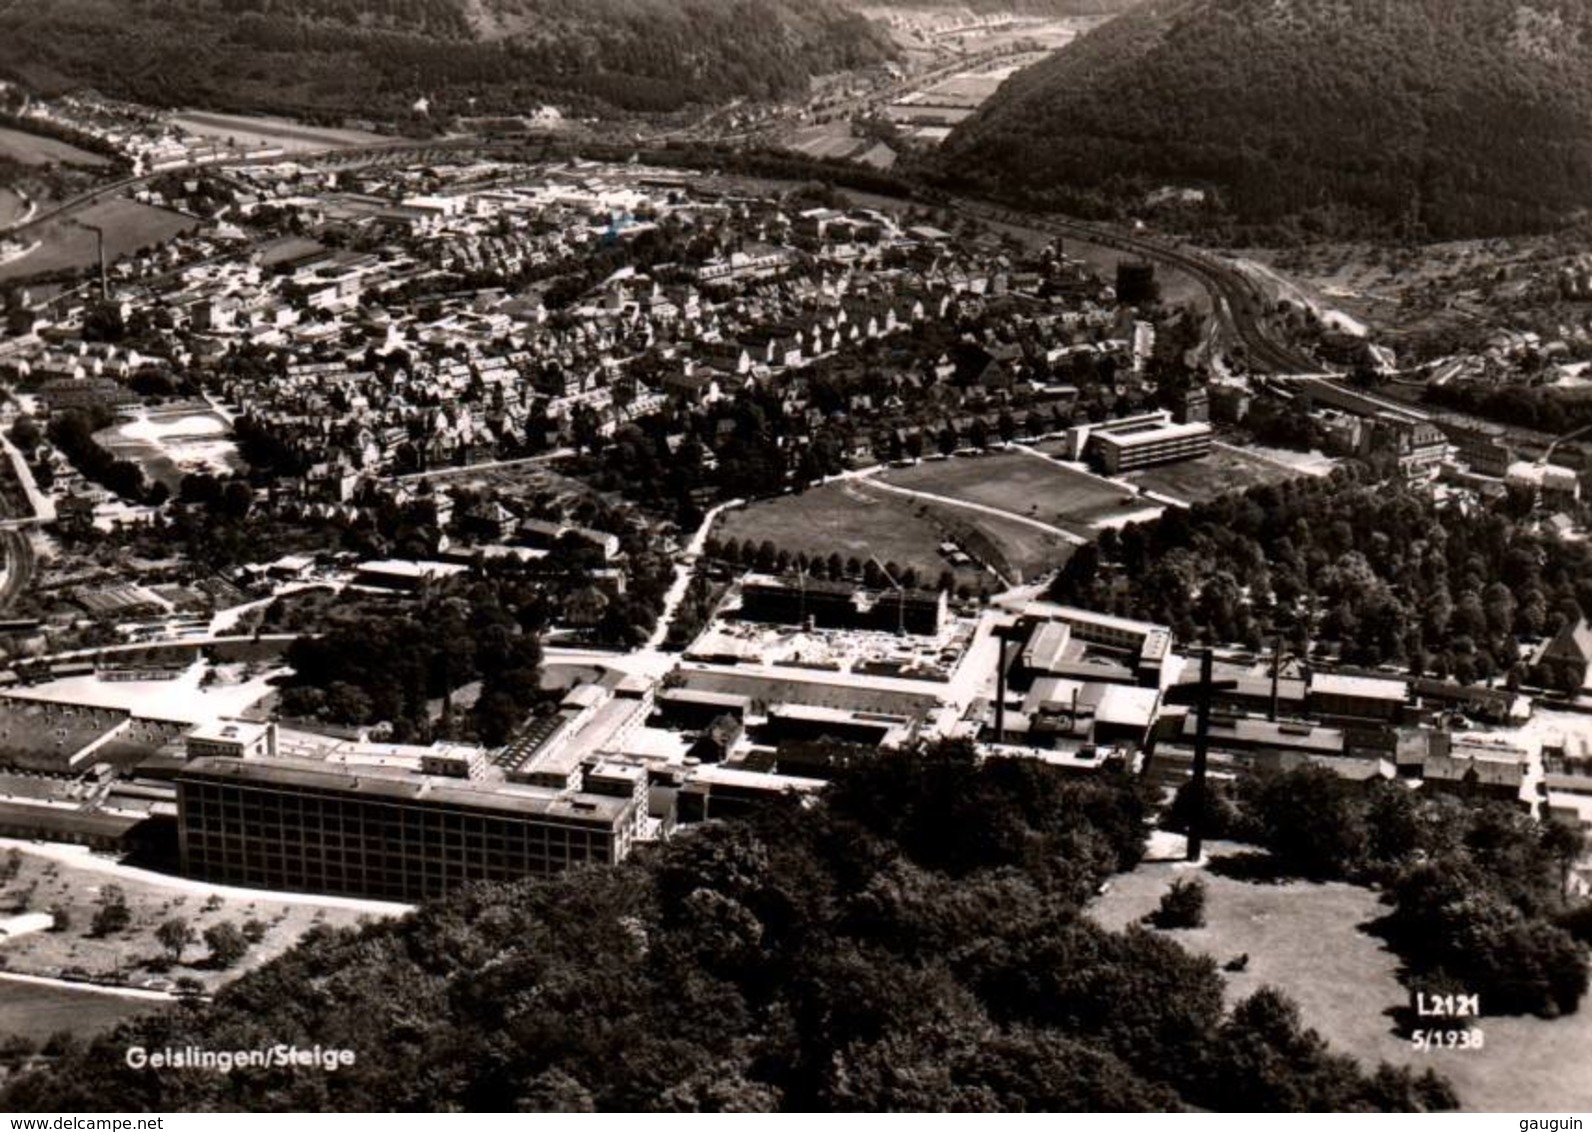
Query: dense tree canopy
(1435, 118)
(333, 58)
(1378, 573)
(842, 956)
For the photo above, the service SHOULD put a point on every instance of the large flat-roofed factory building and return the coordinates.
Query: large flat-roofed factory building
(302, 825)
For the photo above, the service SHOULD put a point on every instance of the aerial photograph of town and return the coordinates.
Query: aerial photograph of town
(758, 556)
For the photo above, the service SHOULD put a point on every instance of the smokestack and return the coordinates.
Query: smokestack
(1276, 671)
(1202, 741)
(104, 276)
(1000, 690)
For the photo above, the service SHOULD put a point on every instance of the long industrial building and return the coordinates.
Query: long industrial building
(303, 826)
(839, 605)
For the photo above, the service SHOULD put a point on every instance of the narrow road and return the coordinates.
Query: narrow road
(488, 466)
(141, 993)
(683, 569)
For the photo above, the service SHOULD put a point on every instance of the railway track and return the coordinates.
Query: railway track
(1239, 305)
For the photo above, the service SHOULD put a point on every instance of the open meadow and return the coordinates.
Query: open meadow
(250, 130)
(847, 519)
(36, 1011)
(1309, 940)
(859, 518)
(73, 881)
(1224, 472)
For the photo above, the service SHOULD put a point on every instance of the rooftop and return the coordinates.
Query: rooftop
(1359, 687)
(229, 731)
(384, 784)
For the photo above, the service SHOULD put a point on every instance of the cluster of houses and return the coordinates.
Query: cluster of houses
(149, 139)
(378, 359)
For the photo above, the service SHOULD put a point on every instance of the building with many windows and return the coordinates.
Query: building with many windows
(1138, 442)
(840, 605)
(304, 826)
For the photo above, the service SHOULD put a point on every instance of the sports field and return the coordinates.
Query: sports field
(1019, 551)
(1225, 471)
(857, 519)
(849, 520)
(1020, 484)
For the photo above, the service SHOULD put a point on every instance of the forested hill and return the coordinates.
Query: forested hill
(914, 943)
(1435, 118)
(331, 58)
(1005, 7)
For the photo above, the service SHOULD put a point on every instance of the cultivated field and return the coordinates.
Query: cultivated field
(1021, 484)
(965, 89)
(128, 226)
(903, 112)
(832, 139)
(36, 1011)
(32, 149)
(294, 137)
(1307, 940)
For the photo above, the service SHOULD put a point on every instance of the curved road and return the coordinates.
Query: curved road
(17, 575)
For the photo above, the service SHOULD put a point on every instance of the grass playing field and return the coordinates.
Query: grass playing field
(1224, 472)
(857, 520)
(845, 519)
(1021, 484)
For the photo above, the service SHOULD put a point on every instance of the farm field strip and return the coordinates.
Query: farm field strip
(36, 149)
